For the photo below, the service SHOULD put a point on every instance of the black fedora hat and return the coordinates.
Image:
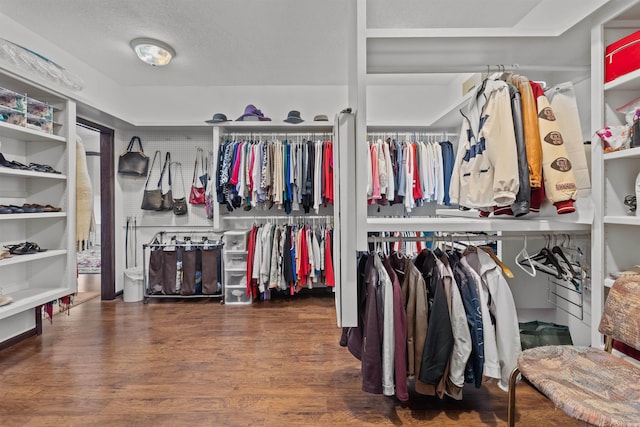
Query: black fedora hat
(293, 117)
(218, 118)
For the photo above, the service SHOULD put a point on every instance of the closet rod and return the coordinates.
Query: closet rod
(461, 237)
(444, 68)
(286, 134)
(278, 217)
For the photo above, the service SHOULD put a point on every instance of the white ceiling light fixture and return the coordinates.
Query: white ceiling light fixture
(153, 52)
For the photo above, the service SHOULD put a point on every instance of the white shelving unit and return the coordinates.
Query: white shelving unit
(615, 230)
(35, 279)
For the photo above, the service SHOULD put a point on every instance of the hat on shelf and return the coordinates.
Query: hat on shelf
(218, 118)
(321, 118)
(294, 117)
(251, 113)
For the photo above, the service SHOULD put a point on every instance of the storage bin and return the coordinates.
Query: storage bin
(13, 100)
(39, 123)
(236, 240)
(11, 116)
(234, 261)
(622, 57)
(235, 279)
(236, 295)
(39, 109)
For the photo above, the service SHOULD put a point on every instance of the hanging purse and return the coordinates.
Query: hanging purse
(180, 204)
(152, 199)
(133, 162)
(196, 196)
(209, 189)
(167, 198)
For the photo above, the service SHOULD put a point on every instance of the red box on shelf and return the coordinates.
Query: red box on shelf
(622, 57)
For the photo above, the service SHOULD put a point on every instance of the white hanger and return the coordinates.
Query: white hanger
(525, 260)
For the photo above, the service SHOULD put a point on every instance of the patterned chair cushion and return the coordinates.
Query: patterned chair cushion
(588, 384)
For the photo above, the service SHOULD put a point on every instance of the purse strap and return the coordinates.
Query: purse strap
(126, 244)
(200, 156)
(133, 141)
(166, 167)
(178, 167)
(155, 155)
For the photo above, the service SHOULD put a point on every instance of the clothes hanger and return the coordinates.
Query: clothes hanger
(505, 270)
(523, 260)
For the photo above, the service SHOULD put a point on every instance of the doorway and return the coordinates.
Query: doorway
(96, 262)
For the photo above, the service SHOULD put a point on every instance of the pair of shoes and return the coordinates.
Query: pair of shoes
(32, 208)
(42, 168)
(11, 208)
(26, 248)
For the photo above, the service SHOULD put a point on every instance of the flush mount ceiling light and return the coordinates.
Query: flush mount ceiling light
(153, 52)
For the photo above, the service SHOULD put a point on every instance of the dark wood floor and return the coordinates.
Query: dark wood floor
(200, 363)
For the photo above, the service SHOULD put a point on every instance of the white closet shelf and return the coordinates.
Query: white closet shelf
(235, 269)
(630, 81)
(608, 282)
(235, 251)
(28, 298)
(18, 132)
(30, 174)
(267, 127)
(631, 153)
(33, 215)
(471, 225)
(19, 259)
(622, 220)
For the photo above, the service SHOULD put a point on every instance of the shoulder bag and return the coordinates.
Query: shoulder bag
(152, 199)
(167, 198)
(133, 162)
(196, 196)
(180, 203)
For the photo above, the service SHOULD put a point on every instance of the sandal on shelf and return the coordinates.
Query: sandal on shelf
(27, 209)
(15, 209)
(26, 248)
(5, 209)
(51, 208)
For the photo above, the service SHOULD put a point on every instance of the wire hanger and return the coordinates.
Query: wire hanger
(523, 260)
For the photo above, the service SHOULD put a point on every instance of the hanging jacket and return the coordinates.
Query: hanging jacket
(531, 131)
(503, 309)
(520, 206)
(559, 181)
(461, 335)
(485, 172)
(400, 335)
(439, 341)
(372, 332)
(471, 301)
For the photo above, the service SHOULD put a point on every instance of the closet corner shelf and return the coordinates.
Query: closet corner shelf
(19, 259)
(622, 220)
(608, 282)
(630, 81)
(450, 118)
(18, 132)
(630, 153)
(30, 174)
(30, 298)
(38, 215)
(275, 127)
(471, 225)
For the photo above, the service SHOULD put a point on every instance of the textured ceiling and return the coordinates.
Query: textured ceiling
(287, 42)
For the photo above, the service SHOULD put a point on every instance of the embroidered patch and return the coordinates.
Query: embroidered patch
(554, 138)
(561, 164)
(547, 114)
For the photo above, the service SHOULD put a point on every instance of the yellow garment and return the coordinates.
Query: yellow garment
(84, 197)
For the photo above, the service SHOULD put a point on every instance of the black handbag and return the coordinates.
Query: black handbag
(133, 162)
(180, 203)
(152, 199)
(635, 134)
(167, 198)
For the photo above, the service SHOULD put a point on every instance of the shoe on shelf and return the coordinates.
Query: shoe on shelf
(34, 207)
(28, 209)
(5, 300)
(26, 248)
(15, 209)
(4, 254)
(5, 209)
(42, 168)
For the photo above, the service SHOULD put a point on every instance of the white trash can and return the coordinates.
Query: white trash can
(133, 284)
